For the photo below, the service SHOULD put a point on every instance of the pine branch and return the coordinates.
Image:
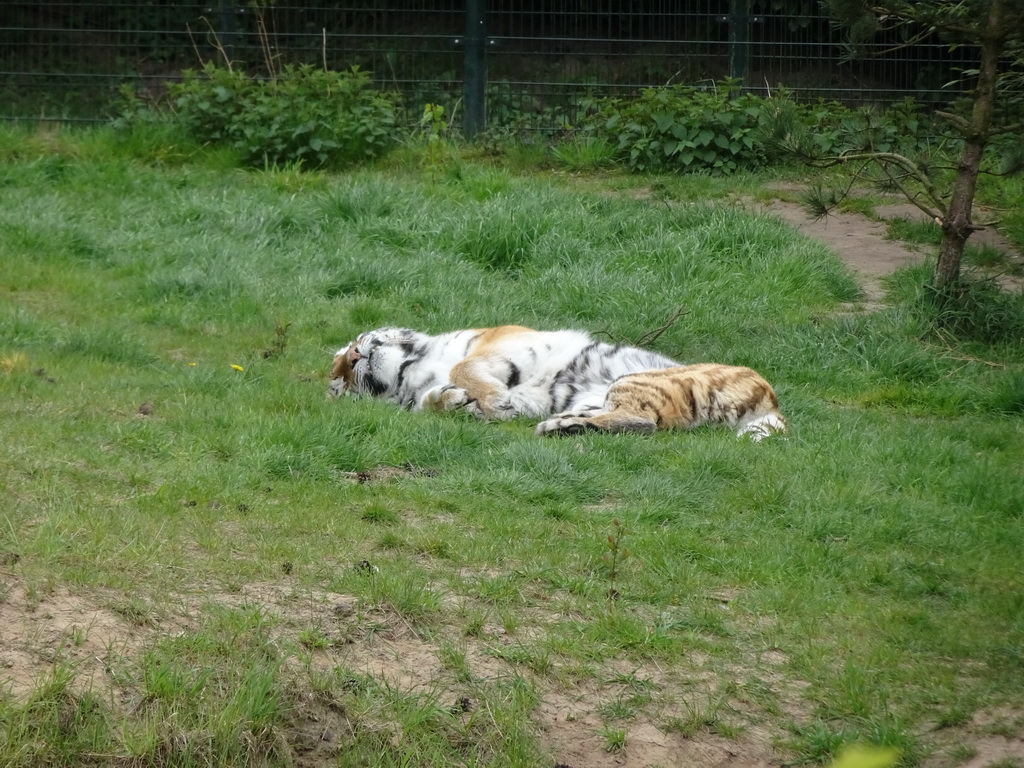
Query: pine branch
(818, 203)
(913, 198)
(915, 172)
(955, 120)
(1012, 128)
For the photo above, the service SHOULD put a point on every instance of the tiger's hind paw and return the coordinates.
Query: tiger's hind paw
(762, 427)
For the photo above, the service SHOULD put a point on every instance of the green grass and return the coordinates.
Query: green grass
(926, 233)
(917, 231)
(586, 154)
(265, 581)
(1003, 195)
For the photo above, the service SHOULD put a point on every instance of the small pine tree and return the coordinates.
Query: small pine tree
(996, 27)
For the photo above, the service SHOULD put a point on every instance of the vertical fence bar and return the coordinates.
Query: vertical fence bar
(227, 29)
(474, 84)
(739, 40)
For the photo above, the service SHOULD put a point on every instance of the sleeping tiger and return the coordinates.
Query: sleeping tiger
(495, 373)
(508, 371)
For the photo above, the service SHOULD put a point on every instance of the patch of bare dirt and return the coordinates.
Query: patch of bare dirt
(90, 635)
(383, 474)
(701, 714)
(991, 738)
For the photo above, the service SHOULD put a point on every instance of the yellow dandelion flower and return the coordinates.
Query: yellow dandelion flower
(237, 367)
(858, 756)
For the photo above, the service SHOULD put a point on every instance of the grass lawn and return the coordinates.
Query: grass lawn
(205, 562)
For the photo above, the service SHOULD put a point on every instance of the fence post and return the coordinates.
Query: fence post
(739, 40)
(226, 29)
(474, 84)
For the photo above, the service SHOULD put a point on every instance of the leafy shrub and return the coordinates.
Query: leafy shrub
(723, 129)
(516, 113)
(829, 129)
(678, 128)
(303, 115)
(905, 127)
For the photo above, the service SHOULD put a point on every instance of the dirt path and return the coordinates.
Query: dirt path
(857, 240)
(864, 245)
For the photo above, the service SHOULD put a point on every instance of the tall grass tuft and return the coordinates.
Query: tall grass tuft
(56, 724)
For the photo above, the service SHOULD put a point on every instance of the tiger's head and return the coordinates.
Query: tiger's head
(371, 364)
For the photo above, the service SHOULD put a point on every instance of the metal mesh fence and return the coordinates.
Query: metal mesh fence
(545, 58)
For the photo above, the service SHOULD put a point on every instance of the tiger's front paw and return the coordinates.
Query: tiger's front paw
(490, 411)
(446, 398)
(513, 404)
(578, 412)
(561, 425)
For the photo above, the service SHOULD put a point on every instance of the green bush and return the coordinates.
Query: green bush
(302, 115)
(681, 129)
(829, 129)
(722, 129)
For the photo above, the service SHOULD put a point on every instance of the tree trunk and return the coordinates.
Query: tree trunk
(957, 225)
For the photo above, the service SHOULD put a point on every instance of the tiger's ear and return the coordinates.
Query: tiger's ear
(341, 368)
(342, 376)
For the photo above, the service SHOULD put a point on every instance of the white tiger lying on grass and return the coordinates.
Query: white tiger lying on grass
(497, 373)
(509, 371)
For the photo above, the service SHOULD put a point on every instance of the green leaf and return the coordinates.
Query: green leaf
(663, 120)
(681, 131)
